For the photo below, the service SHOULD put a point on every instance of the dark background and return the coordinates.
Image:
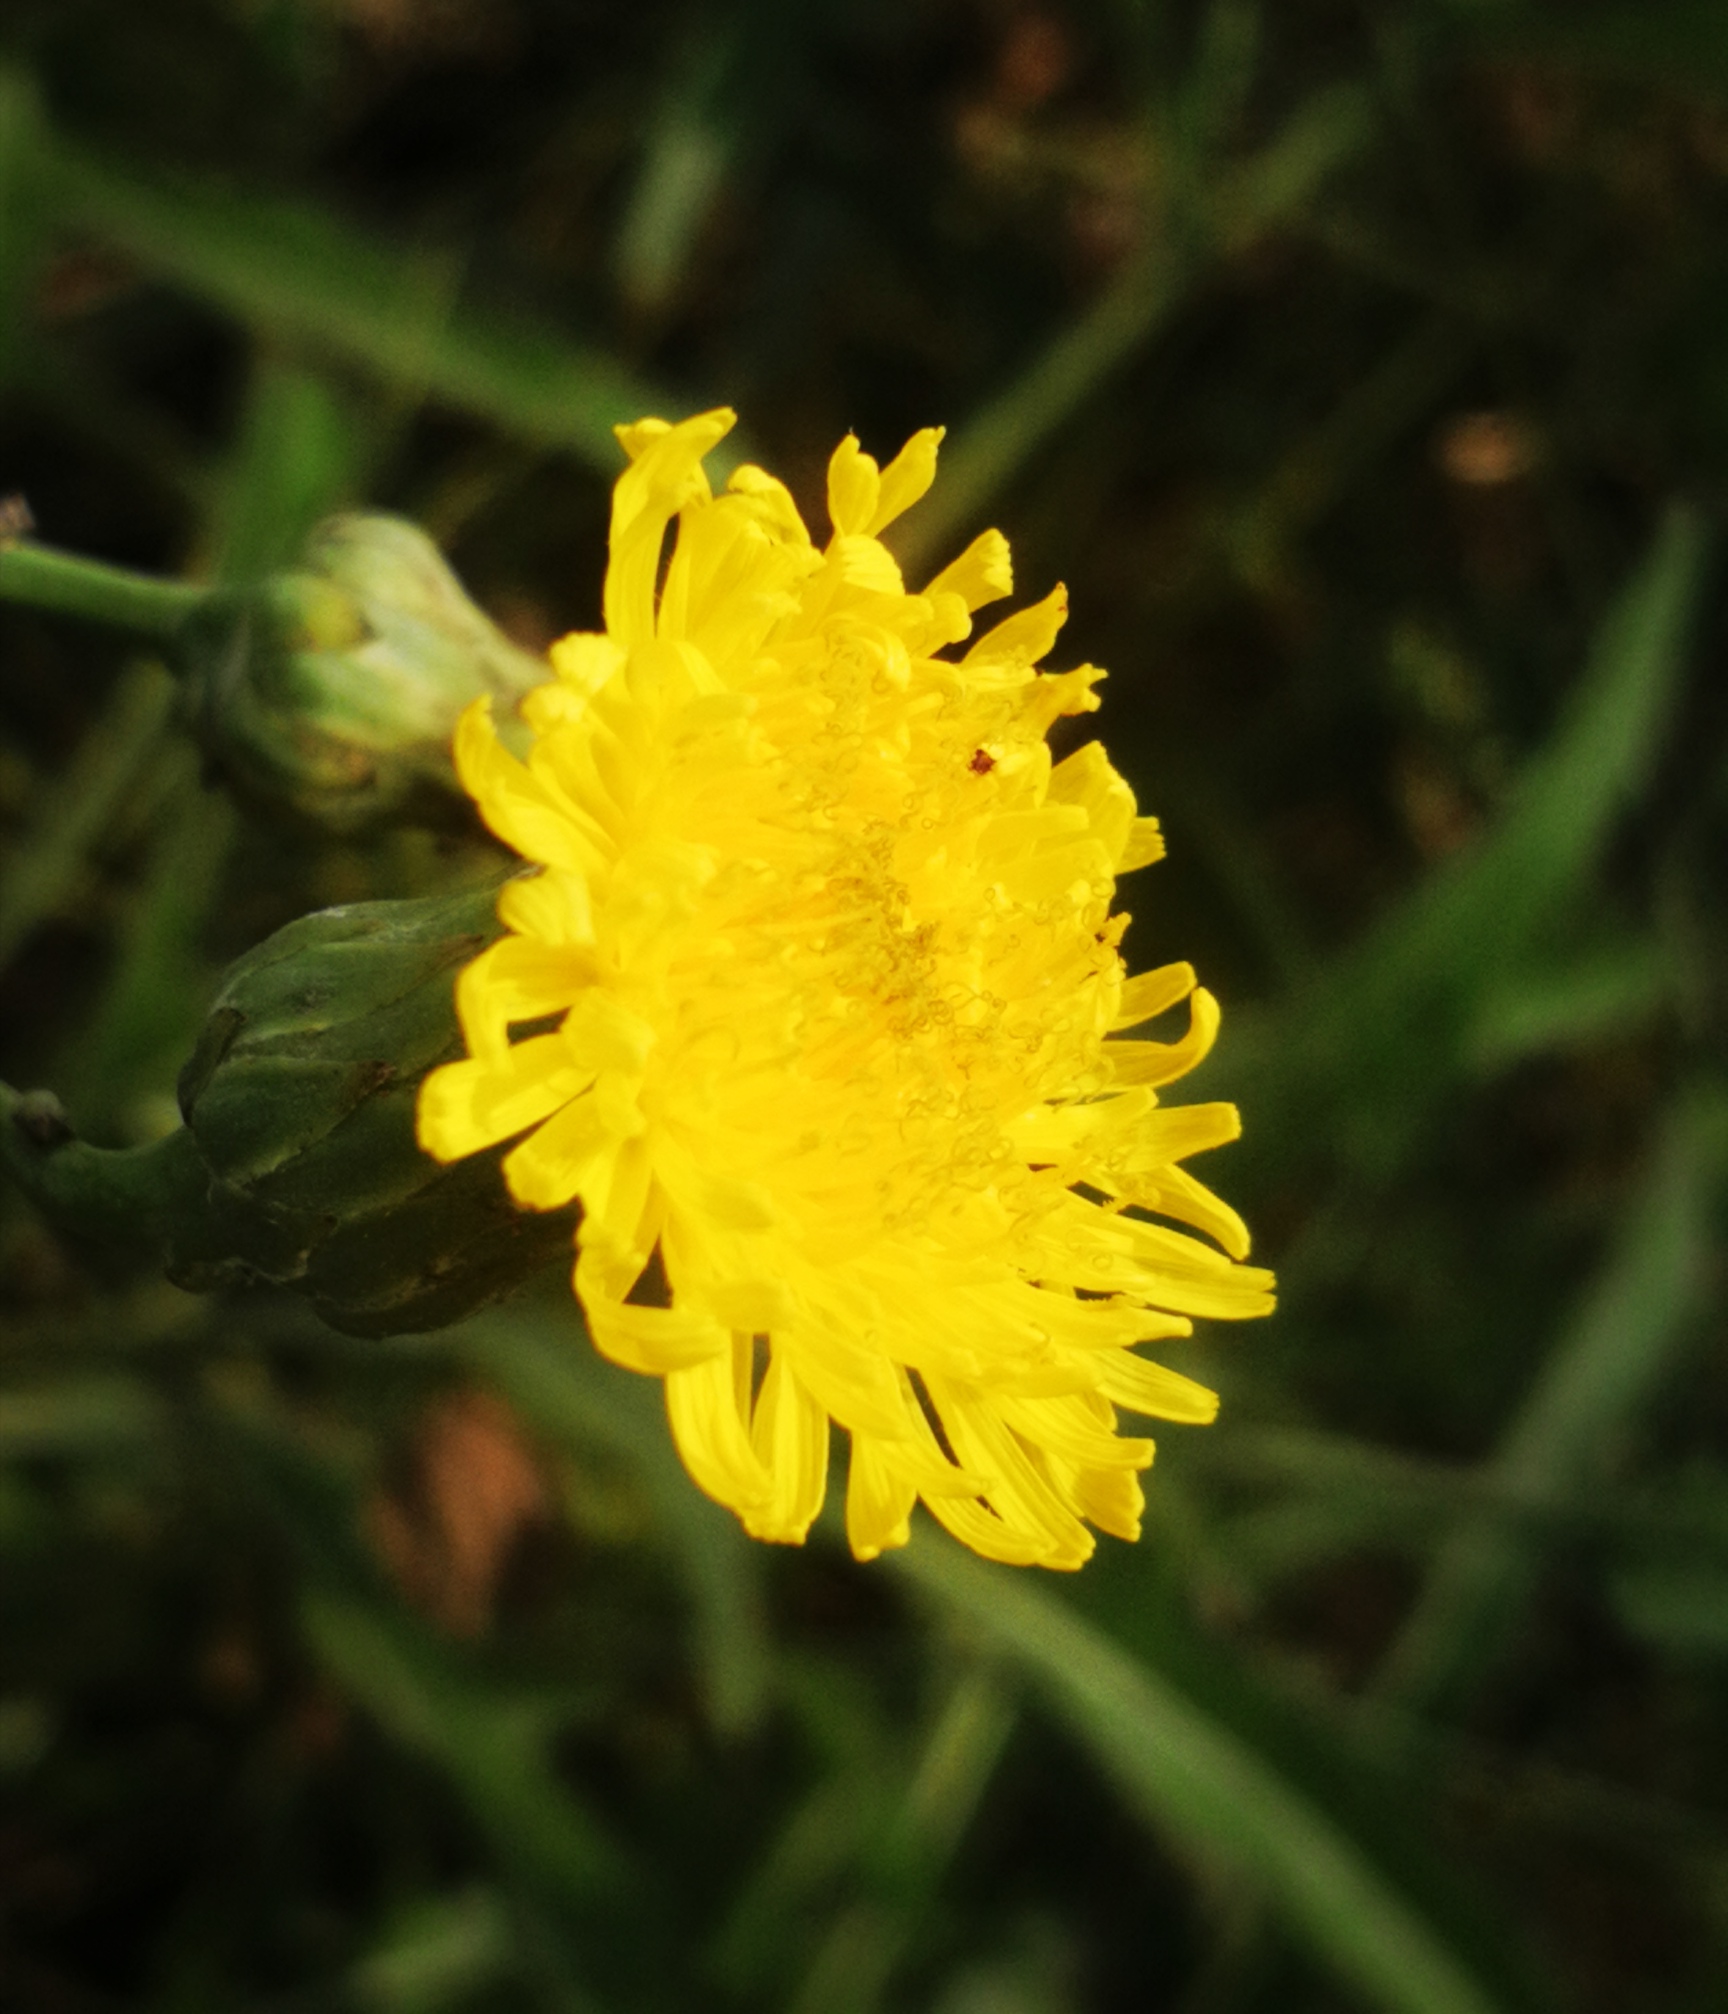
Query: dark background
(1363, 370)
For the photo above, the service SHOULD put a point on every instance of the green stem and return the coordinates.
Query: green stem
(122, 1199)
(41, 577)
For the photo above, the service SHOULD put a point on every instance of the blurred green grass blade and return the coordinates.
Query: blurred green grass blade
(494, 1743)
(1216, 90)
(1572, 792)
(808, 1857)
(301, 453)
(1330, 460)
(997, 442)
(23, 217)
(736, 87)
(858, 1767)
(869, 1938)
(1361, 1493)
(1618, 1351)
(154, 1001)
(965, 1742)
(1358, 1060)
(78, 1414)
(1276, 184)
(543, 1363)
(50, 860)
(494, 1747)
(436, 1955)
(299, 275)
(686, 154)
(1678, 1608)
(1680, 42)
(1196, 1778)
(1605, 988)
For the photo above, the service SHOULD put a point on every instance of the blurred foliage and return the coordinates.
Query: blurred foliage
(1363, 368)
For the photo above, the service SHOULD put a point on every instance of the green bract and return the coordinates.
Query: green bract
(296, 1164)
(333, 689)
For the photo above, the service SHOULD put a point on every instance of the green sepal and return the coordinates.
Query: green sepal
(330, 691)
(301, 1099)
(297, 1164)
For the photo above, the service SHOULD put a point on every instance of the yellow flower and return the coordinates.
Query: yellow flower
(827, 943)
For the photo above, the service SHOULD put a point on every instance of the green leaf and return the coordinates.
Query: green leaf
(1195, 1778)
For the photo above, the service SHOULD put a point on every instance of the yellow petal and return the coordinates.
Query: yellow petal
(636, 437)
(1149, 994)
(906, 478)
(603, 1034)
(517, 979)
(1144, 848)
(1155, 1389)
(879, 1500)
(1155, 1063)
(554, 907)
(586, 662)
(702, 1406)
(466, 1106)
(664, 478)
(854, 486)
(983, 573)
(516, 804)
(974, 1526)
(790, 1436)
(1066, 1425)
(1023, 638)
(652, 1340)
(1112, 1499)
(773, 501)
(1020, 1496)
(1087, 779)
(552, 1164)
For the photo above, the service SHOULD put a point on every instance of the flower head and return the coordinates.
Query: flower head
(809, 1006)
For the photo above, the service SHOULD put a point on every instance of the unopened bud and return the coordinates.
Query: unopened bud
(333, 689)
(300, 1097)
(297, 1164)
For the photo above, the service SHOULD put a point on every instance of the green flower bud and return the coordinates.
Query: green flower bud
(297, 1164)
(334, 689)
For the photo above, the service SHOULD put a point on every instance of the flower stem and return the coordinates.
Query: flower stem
(41, 577)
(123, 1200)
